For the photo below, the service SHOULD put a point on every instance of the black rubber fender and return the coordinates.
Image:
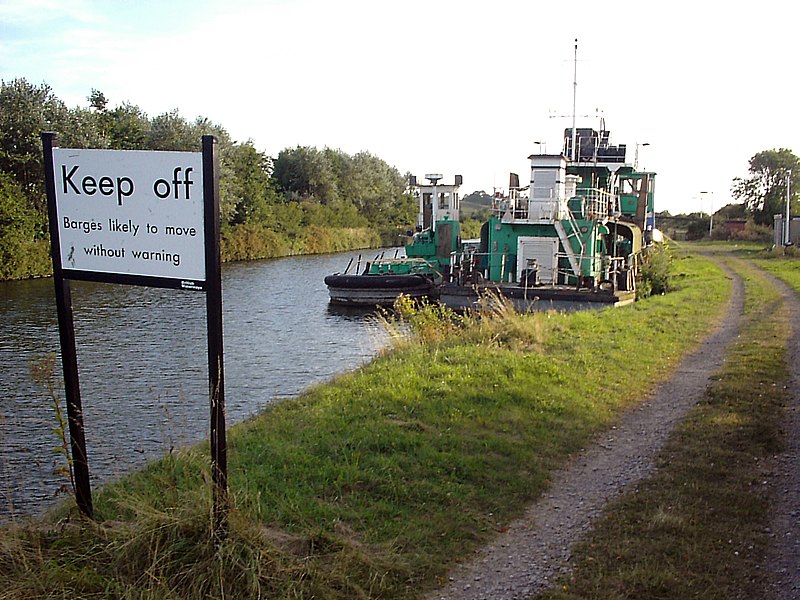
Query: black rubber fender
(392, 282)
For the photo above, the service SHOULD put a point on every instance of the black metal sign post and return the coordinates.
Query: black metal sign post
(210, 282)
(216, 379)
(66, 332)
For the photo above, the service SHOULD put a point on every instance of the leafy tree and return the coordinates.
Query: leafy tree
(764, 192)
(127, 127)
(170, 131)
(289, 218)
(290, 172)
(333, 178)
(304, 172)
(25, 111)
(97, 100)
(24, 251)
(252, 191)
(476, 205)
(471, 228)
(374, 187)
(344, 214)
(81, 128)
(731, 211)
(203, 126)
(697, 228)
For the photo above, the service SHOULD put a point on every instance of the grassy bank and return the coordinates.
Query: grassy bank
(374, 484)
(783, 266)
(696, 529)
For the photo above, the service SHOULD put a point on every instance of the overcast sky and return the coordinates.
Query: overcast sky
(439, 86)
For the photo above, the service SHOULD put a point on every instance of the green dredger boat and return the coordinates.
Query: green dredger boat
(575, 233)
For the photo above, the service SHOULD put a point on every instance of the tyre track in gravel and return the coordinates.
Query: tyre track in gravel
(537, 548)
(783, 560)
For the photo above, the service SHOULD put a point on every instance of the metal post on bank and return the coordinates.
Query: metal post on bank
(216, 375)
(66, 333)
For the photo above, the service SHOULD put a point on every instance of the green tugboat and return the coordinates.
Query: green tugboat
(429, 253)
(574, 234)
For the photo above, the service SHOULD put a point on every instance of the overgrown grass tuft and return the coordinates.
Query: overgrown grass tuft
(494, 323)
(373, 485)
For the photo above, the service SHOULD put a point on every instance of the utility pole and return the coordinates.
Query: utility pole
(710, 210)
(787, 240)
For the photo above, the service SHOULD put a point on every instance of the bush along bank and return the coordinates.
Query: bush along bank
(250, 242)
(374, 484)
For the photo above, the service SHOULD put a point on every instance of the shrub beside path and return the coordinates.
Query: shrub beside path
(537, 548)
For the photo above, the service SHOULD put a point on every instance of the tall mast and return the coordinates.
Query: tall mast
(574, 102)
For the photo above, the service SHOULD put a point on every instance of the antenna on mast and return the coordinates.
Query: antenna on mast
(574, 101)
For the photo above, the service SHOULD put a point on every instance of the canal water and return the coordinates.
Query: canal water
(142, 359)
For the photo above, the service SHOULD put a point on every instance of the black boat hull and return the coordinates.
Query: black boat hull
(377, 290)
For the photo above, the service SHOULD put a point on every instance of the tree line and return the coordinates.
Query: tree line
(765, 191)
(305, 200)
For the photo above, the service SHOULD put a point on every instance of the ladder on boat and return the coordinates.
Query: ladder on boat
(575, 261)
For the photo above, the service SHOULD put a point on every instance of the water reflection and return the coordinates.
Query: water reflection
(352, 313)
(142, 360)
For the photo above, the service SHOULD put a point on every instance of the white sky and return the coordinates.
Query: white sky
(438, 85)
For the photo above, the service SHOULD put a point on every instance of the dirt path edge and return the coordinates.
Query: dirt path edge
(538, 546)
(783, 559)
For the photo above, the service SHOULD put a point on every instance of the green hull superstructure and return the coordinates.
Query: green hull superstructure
(582, 221)
(436, 245)
(405, 266)
(577, 253)
(436, 242)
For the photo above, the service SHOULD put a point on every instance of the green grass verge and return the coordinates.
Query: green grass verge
(785, 268)
(373, 485)
(696, 529)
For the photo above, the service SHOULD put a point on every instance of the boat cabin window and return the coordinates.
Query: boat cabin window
(444, 200)
(631, 186)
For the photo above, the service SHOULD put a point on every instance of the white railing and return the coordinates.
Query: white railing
(466, 268)
(598, 204)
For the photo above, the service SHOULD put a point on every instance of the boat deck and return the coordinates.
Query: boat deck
(461, 297)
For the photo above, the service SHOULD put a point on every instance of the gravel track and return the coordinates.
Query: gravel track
(784, 476)
(537, 547)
